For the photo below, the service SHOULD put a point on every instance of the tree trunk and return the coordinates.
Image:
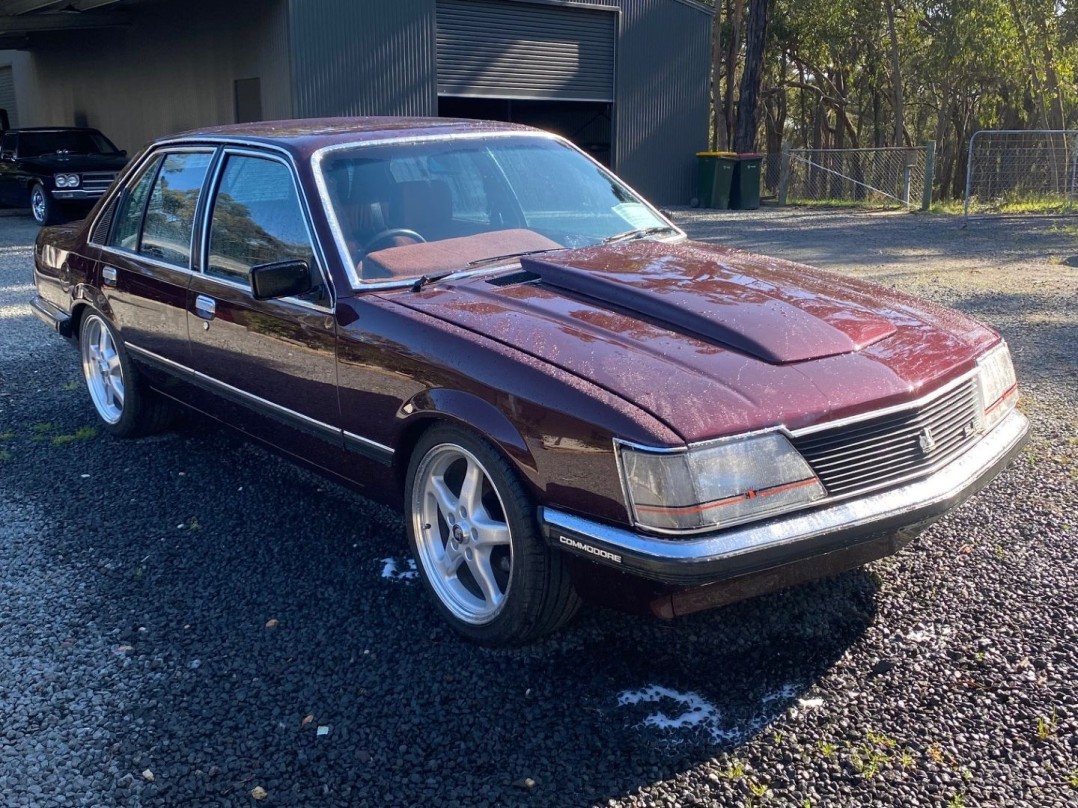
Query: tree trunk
(752, 76)
(734, 13)
(896, 71)
(718, 123)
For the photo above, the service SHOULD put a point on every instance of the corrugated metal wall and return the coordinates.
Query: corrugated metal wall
(661, 108)
(494, 48)
(174, 68)
(363, 58)
(7, 95)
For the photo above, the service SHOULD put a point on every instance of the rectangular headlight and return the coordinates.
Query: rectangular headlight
(718, 484)
(999, 388)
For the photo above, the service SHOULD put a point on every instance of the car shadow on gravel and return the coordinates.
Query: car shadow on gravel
(247, 631)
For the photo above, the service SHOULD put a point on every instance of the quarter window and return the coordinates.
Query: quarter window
(129, 218)
(257, 219)
(170, 214)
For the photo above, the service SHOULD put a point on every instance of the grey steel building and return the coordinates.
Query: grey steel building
(624, 79)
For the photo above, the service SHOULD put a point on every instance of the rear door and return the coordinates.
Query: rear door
(276, 357)
(146, 261)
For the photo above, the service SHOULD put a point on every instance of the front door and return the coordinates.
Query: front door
(275, 357)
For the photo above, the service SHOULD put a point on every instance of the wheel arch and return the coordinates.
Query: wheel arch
(468, 411)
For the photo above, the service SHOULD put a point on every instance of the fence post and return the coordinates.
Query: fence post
(784, 173)
(969, 178)
(930, 174)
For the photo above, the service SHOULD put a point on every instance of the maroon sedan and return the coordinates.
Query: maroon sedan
(567, 396)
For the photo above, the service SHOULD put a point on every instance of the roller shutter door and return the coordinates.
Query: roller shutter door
(499, 49)
(7, 95)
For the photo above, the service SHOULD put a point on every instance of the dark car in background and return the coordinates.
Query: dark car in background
(568, 397)
(58, 172)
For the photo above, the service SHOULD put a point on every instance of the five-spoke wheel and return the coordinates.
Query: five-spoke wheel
(473, 532)
(125, 406)
(102, 369)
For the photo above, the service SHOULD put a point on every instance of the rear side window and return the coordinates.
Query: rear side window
(170, 213)
(129, 216)
(257, 219)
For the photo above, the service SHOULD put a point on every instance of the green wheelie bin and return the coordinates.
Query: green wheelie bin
(745, 189)
(714, 176)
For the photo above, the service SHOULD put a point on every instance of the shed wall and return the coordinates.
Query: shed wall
(363, 58)
(661, 106)
(164, 73)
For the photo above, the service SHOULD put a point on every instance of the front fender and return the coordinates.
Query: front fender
(472, 412)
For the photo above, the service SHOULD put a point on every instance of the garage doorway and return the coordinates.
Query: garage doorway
(540, 64)
(587, 124)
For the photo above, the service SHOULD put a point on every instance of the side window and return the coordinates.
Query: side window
(129, 217)
(257, 219)
(170, 214)
(7, 146)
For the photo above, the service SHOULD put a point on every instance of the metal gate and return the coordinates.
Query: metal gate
(1022, 171)
(499, 49)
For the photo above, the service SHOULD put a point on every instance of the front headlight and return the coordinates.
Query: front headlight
(999, 388)
(718, 484)
(67, 180)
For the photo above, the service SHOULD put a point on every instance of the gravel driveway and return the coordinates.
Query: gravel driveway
(187, 620)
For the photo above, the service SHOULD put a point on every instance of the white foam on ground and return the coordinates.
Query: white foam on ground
(691, 711)
(395, 569)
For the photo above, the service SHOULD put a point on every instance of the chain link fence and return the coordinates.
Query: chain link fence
(1022, 171)
(879, 177)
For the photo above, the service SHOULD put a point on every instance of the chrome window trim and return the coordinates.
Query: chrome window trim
(358, 284)
(154, 153)
(259, 401)
(137, 174)
(790, 435)
(207, 219)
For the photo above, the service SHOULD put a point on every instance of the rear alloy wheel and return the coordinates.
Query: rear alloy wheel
(42, 207)
(473, 533)
(126, 408)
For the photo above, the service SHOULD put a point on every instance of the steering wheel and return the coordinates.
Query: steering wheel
(391, 232)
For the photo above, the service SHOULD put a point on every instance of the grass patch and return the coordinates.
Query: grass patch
(957, 801)
(82, 433)
(4, 455)
(1072, 779)
(851, 204)
(948, 207)
(1046, 727)
(72, 386)
(6, 435)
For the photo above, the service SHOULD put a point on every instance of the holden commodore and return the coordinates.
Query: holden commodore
(568, 398)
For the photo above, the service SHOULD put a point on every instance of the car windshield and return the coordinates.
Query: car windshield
(416, 209)
(87, 141)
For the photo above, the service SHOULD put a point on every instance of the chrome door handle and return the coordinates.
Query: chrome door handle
(205, 307)
(108, 275)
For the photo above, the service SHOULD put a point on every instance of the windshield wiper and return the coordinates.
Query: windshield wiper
(639, 232)
(493, 259)
(423, 280)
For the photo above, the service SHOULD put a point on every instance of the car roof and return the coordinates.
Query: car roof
(303, 136)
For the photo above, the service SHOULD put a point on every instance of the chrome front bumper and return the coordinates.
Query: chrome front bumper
(885, 519)
(78, 194)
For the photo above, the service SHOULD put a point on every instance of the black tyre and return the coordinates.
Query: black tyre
(42, 206)
(125, 406)
(472, 527)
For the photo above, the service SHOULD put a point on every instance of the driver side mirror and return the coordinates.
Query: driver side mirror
(280, 279)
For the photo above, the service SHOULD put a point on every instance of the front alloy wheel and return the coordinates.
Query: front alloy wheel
(474, 537)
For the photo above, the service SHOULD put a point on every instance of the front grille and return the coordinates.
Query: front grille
(97, 181)
(877, 451)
